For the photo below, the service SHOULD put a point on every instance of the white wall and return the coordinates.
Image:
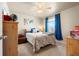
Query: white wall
(2, 7)
(21, 16)
(69, 18)
(0, 29)
(37, 21)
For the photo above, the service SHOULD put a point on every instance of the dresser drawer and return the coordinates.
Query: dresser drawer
(72, 46)
(69, 51)
(75, 50)
(72, 51)
(73, 42)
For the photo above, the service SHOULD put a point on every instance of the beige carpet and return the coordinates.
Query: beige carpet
(50, 50)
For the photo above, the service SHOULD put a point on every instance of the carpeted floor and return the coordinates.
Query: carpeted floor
(25, 49)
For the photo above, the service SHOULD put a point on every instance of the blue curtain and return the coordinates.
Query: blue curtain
(58, 32)
(46, 26)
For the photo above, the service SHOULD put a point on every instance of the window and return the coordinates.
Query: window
(51, 25)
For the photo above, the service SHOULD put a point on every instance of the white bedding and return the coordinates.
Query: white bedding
(39, 40)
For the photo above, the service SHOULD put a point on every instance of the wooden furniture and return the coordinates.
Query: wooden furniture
(10, 44)
(21, 38)
(72, 46)
(76, 27)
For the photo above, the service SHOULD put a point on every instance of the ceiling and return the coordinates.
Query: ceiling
(39, 9)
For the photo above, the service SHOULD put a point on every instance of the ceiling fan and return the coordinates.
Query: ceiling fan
(41, 7)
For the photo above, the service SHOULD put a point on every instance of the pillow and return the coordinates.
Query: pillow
(33, 30)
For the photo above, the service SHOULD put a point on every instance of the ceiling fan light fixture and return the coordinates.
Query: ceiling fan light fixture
(39, 11)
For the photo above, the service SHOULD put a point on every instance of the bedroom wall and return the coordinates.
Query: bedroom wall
(3, 6)
(1, 28)
(38, 22)
(69, 18)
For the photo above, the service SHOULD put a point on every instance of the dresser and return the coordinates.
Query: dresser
(10, 44)
(72, 46)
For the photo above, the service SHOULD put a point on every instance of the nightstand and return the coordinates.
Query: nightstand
(21, 39)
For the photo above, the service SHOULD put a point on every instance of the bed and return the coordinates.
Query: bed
(39, 40)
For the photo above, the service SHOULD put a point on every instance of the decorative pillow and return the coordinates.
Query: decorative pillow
(34, 30)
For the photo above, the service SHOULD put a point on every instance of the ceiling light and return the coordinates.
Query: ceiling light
(39, 11)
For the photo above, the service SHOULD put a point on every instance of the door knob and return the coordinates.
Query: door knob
(3, 37)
